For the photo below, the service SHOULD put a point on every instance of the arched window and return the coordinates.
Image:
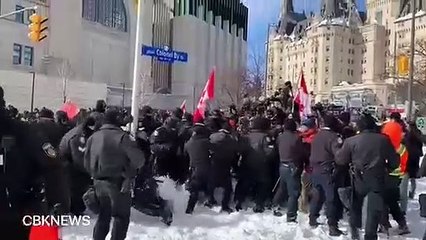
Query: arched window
(110, 13)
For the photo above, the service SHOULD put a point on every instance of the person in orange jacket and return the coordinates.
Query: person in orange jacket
(394, 131)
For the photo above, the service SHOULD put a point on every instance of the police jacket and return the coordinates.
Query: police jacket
(254, 153)
(372, 156)
(112, 154)
(323, 151)
(224, 150)
(53, 131)
(198, 149)
(29, 164)
(164, 142)
(290, 147)
(72, 148)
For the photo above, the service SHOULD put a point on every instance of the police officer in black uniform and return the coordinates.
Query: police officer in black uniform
(372, 155)
(164, 148)
(253, 170)
(198, 149)
(224, 155)
(71, 149)
(113, 158)
(29, 166)
(322, 160)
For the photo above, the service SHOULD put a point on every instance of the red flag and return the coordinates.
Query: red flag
(302, 98)
(183, 106)
(70, 109)
(206, 95)
(44, 233)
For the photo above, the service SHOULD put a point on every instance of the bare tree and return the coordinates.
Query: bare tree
(401, 82)
(253, 78)
(65, 72)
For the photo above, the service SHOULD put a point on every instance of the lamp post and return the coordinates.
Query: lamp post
(412, 49)
(136, 61)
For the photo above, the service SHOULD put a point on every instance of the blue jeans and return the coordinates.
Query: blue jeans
(290, 181)
(326, 193)
(403, 188)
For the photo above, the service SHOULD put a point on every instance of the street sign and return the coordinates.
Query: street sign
(164, 54)
(421, 124)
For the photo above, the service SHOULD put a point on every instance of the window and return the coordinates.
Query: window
(327, 48)
(326, 69)
(17, 54)
(19, 17)
(28, 56)
(110, 13)
(326, 81)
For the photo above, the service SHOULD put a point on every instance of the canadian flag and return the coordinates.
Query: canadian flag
(302, 98)
(183, 106)
(206, 95)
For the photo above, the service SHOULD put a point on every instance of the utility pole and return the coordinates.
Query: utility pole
(124, 93)
(395, 63)
(136, 62)
(32, 91)
(412, 50)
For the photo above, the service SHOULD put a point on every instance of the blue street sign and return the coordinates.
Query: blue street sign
(164, 54)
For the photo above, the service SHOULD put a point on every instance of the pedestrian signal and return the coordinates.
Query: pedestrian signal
(403, 65)
(36, 28)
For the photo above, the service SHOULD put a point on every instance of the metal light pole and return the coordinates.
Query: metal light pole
(412, 50)
(18, 11)
(136, 62)
(395, 63)
(32, 91)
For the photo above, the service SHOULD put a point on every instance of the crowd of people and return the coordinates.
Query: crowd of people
(57, 165)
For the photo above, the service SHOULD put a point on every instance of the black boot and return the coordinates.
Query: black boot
(258, 209)
(226, 209)
(313, 223)
(238, 207)
(334, 231)
(210, 203)
(403, 230)
(355, 234)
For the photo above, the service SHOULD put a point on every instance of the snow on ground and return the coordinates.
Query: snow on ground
(210, 224)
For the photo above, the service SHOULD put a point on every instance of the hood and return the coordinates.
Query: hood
(395, 133)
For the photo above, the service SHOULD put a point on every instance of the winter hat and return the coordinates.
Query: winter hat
(290, 125)
(366, 122)
(46, 113)
(309, 123)
(395, 116)
(330, 121)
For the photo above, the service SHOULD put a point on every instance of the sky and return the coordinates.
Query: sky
(263, 12)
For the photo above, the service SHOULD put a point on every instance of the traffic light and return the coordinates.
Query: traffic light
(403, 65)
(36, 28)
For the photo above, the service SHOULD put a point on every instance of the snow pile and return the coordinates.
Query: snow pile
(210, 224)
